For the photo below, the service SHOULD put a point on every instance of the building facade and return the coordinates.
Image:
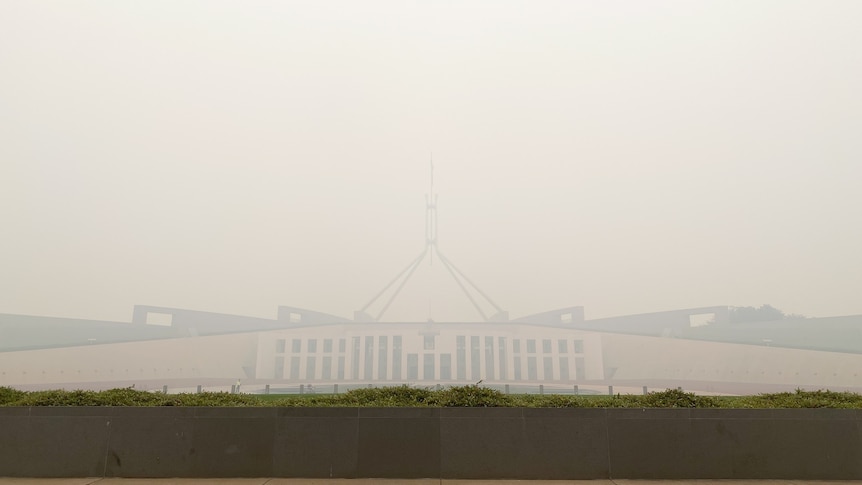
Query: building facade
(561, 351)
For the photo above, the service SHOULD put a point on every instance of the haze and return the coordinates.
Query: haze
(236, 156)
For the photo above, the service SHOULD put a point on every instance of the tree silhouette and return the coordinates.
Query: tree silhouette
(765, 313)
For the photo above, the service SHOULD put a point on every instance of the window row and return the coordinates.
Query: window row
(431, 367)
(530, 347)
(430, 344)
(311, 346)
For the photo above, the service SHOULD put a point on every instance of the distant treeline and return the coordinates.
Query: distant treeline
(764, 313)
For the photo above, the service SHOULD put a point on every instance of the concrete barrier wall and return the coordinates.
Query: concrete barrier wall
(430, 443)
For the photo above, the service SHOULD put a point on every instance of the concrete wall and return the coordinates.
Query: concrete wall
(638, 359)
(668, 324)
(431, 443)
(162, 361)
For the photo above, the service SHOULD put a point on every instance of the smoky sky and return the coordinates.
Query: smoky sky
(628, 156)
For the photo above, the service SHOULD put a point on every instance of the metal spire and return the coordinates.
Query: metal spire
(429, 249)
(431, 216)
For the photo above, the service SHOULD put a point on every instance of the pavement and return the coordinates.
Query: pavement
(377, 481)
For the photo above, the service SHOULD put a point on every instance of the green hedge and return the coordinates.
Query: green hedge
(406, 396)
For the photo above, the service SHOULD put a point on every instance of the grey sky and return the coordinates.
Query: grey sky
(625, 156)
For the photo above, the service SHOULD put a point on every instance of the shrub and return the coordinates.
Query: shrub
(324, 401)
(394, 396)
(209, 399)
(470, 396)
(406, 396)
(9, 395)
(131, 397)
(802, 399)
(672, 398)
(548, 401)
(128, 397)
(112, 397)
(59, 398)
